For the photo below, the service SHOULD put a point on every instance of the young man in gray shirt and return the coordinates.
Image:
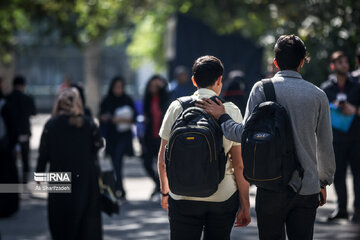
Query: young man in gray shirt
(308, 109)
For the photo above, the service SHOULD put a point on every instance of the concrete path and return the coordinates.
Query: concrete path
(141, 218)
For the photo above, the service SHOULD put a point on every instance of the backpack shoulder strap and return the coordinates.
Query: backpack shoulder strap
(189, 101)
(186, 102)
(217, 97)
(269, 90)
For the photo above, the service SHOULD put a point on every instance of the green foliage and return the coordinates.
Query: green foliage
(83, 21)
(12, 17)
(325, 25)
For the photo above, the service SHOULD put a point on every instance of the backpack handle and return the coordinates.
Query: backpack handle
(192, 110)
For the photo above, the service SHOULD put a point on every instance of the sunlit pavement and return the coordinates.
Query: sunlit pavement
(141, 218)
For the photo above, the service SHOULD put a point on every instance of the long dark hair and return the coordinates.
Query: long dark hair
(163, 94)
(115, 79)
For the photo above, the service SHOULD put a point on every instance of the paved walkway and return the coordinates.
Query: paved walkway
(141, 218)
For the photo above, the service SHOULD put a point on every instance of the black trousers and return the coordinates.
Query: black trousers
(347, 154)
(189, 219)
(151, 149)
(25, 151)
(275, 210)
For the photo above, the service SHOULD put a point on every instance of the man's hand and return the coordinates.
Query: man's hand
(243, 217)
(164, 202)
(215, 109)
(348, 109)
(322, 197)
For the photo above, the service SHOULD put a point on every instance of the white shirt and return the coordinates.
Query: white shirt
(227, 187)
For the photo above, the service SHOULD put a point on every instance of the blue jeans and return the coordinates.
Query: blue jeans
(122, 142)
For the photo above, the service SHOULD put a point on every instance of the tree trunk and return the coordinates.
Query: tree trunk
(92, 81)
(7, 73)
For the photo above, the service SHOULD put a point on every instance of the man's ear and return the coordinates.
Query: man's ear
(332, 66)
(301, 64)
(193, 81)
(276, 64)
(219, 80)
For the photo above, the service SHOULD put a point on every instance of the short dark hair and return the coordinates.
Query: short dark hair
(289, 51)
(206, 70)
(19, 81)
(336, 56)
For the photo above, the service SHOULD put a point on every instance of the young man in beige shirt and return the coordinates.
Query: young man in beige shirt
(215, 215)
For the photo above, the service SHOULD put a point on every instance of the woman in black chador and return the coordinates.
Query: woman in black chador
(69, 143)
(156, 101)
(117, 114)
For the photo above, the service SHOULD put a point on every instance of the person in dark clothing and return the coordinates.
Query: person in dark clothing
(344, 94)
(235, 90)
(182, 85)
(117, 114)
(20, 108)
(156, 101)
(9, 202)
(69, 143)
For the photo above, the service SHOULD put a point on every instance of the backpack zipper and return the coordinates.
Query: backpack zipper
(193, 133)
(212, 135)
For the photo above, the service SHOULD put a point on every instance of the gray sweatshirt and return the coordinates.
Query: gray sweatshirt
(308, 109)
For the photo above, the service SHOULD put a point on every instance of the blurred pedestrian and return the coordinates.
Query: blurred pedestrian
(344, 97)
(181, 85)
(87, 110)
(356, 73)
(156, 101)
(20, 108)
(235, 89)
(117, 114)
(68, 144)
(9, 202)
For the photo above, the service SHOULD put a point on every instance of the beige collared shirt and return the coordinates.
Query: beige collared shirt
(227, 187)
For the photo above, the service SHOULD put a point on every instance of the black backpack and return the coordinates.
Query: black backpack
(268, 148)
(195, 158)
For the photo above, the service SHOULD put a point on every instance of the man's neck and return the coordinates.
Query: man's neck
(212, 89)
(341, 79)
